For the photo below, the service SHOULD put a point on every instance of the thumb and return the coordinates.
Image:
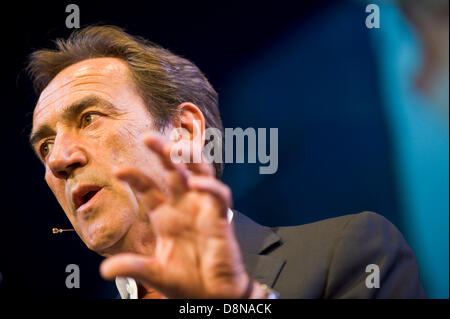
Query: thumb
(141, 268)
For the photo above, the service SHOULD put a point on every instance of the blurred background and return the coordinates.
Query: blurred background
(362, 118)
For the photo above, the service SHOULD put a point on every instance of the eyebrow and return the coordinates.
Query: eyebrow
(70, 112)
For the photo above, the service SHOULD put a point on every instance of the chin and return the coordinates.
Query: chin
(103, 239)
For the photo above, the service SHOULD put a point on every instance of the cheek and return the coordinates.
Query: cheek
(57, 186)
(126, 147)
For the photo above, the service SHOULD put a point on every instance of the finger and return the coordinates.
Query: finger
(213, 186)
(195, 160)
(177, 171)
(142, 268)
(163, 148)
(202, 168)
(138, 179)
(151, 193)
(191, 157)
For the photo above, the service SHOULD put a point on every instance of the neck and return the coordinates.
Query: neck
(139, 239)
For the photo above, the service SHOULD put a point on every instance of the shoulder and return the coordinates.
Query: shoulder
(339, 224)
(337, 251)
(370, 240)
(328, 231)
(366, 229)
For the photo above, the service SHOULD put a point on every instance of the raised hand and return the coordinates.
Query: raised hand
(196, 253)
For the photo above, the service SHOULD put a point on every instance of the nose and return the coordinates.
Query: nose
(66, 156)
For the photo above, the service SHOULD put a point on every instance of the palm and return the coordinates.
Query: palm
(195, 247)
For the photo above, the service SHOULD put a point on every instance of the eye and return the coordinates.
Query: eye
(45, 148)
(88, 118)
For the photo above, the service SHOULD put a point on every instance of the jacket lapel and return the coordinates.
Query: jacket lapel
(256, 241)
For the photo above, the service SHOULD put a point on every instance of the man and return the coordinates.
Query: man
(108, 104)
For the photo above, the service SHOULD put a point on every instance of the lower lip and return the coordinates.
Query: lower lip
(88, 205)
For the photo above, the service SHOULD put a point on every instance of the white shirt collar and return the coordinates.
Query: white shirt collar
(127, 286)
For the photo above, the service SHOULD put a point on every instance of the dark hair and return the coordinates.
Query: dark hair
(163, 79)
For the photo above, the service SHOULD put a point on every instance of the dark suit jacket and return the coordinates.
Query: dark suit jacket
(328, 259)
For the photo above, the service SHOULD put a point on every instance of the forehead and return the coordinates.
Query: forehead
(109, 78)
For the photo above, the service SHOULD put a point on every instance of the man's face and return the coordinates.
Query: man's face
(86, 124)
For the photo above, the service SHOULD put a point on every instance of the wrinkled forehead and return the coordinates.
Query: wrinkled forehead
(107, 77)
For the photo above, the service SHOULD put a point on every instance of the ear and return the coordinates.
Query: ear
(192, 122)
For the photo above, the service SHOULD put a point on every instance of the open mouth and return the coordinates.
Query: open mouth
(84, 194)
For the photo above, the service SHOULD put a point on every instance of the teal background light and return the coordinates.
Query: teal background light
(419, 132)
